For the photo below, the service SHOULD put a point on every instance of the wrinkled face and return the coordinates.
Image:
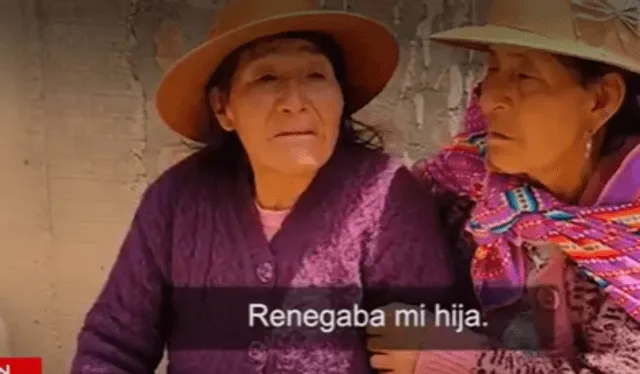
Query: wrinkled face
(285, 105)
(539, 114)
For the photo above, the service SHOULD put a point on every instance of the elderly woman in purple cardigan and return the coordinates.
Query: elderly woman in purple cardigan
(287, 196)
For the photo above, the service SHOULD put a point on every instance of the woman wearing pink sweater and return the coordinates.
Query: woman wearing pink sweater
(544, 182)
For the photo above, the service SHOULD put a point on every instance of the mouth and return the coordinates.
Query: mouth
(295, 134)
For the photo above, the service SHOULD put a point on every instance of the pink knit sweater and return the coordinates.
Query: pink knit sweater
(271, 220)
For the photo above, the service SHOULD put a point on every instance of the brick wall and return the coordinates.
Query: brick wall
(79, 138)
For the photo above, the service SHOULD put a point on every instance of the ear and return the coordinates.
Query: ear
(608, 94)
(218, 103)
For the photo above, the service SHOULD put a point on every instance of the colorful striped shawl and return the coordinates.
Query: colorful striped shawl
(603, 240)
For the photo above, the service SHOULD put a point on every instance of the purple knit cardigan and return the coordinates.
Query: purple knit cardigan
(364, 221)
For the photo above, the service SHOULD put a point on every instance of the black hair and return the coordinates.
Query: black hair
(352, 132)
(626, 121)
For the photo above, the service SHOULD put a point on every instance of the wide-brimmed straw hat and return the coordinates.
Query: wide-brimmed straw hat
(369, 48)
(606, 31)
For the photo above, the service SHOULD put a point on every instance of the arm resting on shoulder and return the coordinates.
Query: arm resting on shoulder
(123, 331)
(407, 247)
(453, 211)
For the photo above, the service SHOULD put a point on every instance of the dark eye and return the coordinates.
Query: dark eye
(525, 76)
(316, 76)
(267, 78)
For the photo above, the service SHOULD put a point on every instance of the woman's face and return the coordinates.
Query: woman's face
(539, 114)
(285, 105)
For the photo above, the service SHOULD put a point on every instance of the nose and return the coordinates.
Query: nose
(496, 94)
(291, 98)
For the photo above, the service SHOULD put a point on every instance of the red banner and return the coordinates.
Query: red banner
(20, 365)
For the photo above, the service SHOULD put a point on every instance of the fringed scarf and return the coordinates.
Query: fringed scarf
(603, 240)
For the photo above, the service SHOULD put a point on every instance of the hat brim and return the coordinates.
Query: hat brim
(370, 51)
(480, 37)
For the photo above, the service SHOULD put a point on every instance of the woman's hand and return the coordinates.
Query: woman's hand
(395, 348)
(395, 361)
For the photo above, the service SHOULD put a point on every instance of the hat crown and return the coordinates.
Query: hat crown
(238, 13)
(613, 25)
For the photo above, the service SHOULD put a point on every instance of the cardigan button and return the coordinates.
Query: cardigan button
(265, 272)
(257, 352)
(548, 298)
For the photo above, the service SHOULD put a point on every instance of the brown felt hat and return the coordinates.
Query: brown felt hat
(370, 53)
(606, 31)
